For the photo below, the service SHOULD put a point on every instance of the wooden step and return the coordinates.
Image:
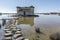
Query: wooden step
(26, 39)
(18, 32)
(7, 31)
(20, 38)
(18, 29)
(8, 38)
(8, 34)
(17, 36)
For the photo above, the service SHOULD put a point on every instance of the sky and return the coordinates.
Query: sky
(41, 6)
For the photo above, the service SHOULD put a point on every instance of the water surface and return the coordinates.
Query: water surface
(48, 24)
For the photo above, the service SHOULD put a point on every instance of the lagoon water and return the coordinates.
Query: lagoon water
(48, 24)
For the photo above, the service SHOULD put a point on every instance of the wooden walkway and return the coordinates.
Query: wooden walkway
(12, 32)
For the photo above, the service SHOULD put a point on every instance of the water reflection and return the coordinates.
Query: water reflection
(26, 20)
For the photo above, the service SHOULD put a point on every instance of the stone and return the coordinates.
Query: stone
(55, 36)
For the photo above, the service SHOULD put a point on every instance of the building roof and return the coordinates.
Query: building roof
(25, 7)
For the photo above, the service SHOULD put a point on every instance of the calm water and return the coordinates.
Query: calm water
(41, 21)
(48, 24)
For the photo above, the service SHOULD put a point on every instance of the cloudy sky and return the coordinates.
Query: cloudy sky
(9, 6)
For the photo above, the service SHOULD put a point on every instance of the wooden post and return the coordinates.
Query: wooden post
(3, 22)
